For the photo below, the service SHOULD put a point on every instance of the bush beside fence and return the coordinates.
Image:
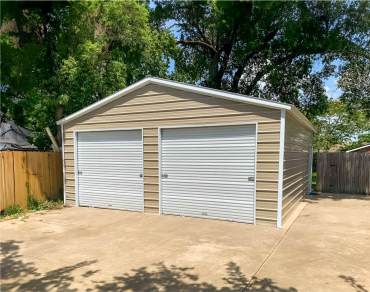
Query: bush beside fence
(342, 172)
(29, 173)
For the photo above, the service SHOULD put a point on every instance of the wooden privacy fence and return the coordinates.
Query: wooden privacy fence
(24, 173)
(343, 173)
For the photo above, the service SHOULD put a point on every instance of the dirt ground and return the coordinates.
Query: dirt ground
(84, 249)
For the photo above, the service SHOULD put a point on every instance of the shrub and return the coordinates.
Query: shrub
(14, 210)
(38, 205)
(33, 203)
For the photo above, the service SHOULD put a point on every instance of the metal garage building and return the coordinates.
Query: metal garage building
(172, 148)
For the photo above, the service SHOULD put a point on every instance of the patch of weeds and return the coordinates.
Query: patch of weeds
(34, 204)
(12, 211)
(50, 205)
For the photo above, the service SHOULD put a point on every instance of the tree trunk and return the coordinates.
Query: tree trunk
(59, 113)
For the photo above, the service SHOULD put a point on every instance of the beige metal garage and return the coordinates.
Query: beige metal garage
(171, 148)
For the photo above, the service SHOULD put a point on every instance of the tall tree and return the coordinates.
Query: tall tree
(266, 48)
(58, 57)
(339, 127)
(355, 82)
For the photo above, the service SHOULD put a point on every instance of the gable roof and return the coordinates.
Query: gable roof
(189, 88)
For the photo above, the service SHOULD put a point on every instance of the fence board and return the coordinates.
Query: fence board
(2, 181)
(8, 172)
(22, 173)
(54, 174)
(343, 173)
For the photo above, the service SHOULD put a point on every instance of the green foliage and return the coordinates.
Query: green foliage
(58, 57)
(362, 140)
(12, 211)
(338, 126)
(355, 83)
(37, 205)
(267, 48)
(33, 204)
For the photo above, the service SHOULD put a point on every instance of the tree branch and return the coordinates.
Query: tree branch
(266, 70)
(197, 42)
(239, 72)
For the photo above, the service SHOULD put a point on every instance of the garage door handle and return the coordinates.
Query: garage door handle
(141, 175)
(165, 175)
(251, 178)
(79, 172)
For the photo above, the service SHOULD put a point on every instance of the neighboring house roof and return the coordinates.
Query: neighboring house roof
(194, 89)
(13, 137)
(358, 148)
(335, 148)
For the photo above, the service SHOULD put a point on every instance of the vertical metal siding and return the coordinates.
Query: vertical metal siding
(211, 172)
(110, 169)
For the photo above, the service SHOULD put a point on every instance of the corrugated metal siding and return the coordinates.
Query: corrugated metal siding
(208, 171)
(298, 140)
(154, 106)
(110, 165)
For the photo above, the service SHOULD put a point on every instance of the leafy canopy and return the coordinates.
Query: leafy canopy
(59, 57)
(266, 48)
(338, 127)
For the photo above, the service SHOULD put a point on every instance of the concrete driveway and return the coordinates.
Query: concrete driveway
(83, 249)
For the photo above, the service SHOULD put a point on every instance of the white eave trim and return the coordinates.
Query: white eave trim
(180, 86)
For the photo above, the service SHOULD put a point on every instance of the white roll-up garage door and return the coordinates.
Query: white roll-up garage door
(209, 172)
(109, 169)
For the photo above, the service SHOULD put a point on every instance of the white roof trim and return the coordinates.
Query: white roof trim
(358, 148)
(185, 87)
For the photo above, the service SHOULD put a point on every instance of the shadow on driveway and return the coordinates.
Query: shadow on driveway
(158, 277)
(313, 199)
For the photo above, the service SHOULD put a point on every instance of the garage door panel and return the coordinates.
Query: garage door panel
(209, 172)
(190, 168)
(229, 182)
(113, 167)
(206, 179)
(117, 182)
(208, 167)
(101, 157)
(208, 189)
(215, 206)
(231, 199)
(213, 213)
(107, 191)
(110, 137)
(110, 169)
